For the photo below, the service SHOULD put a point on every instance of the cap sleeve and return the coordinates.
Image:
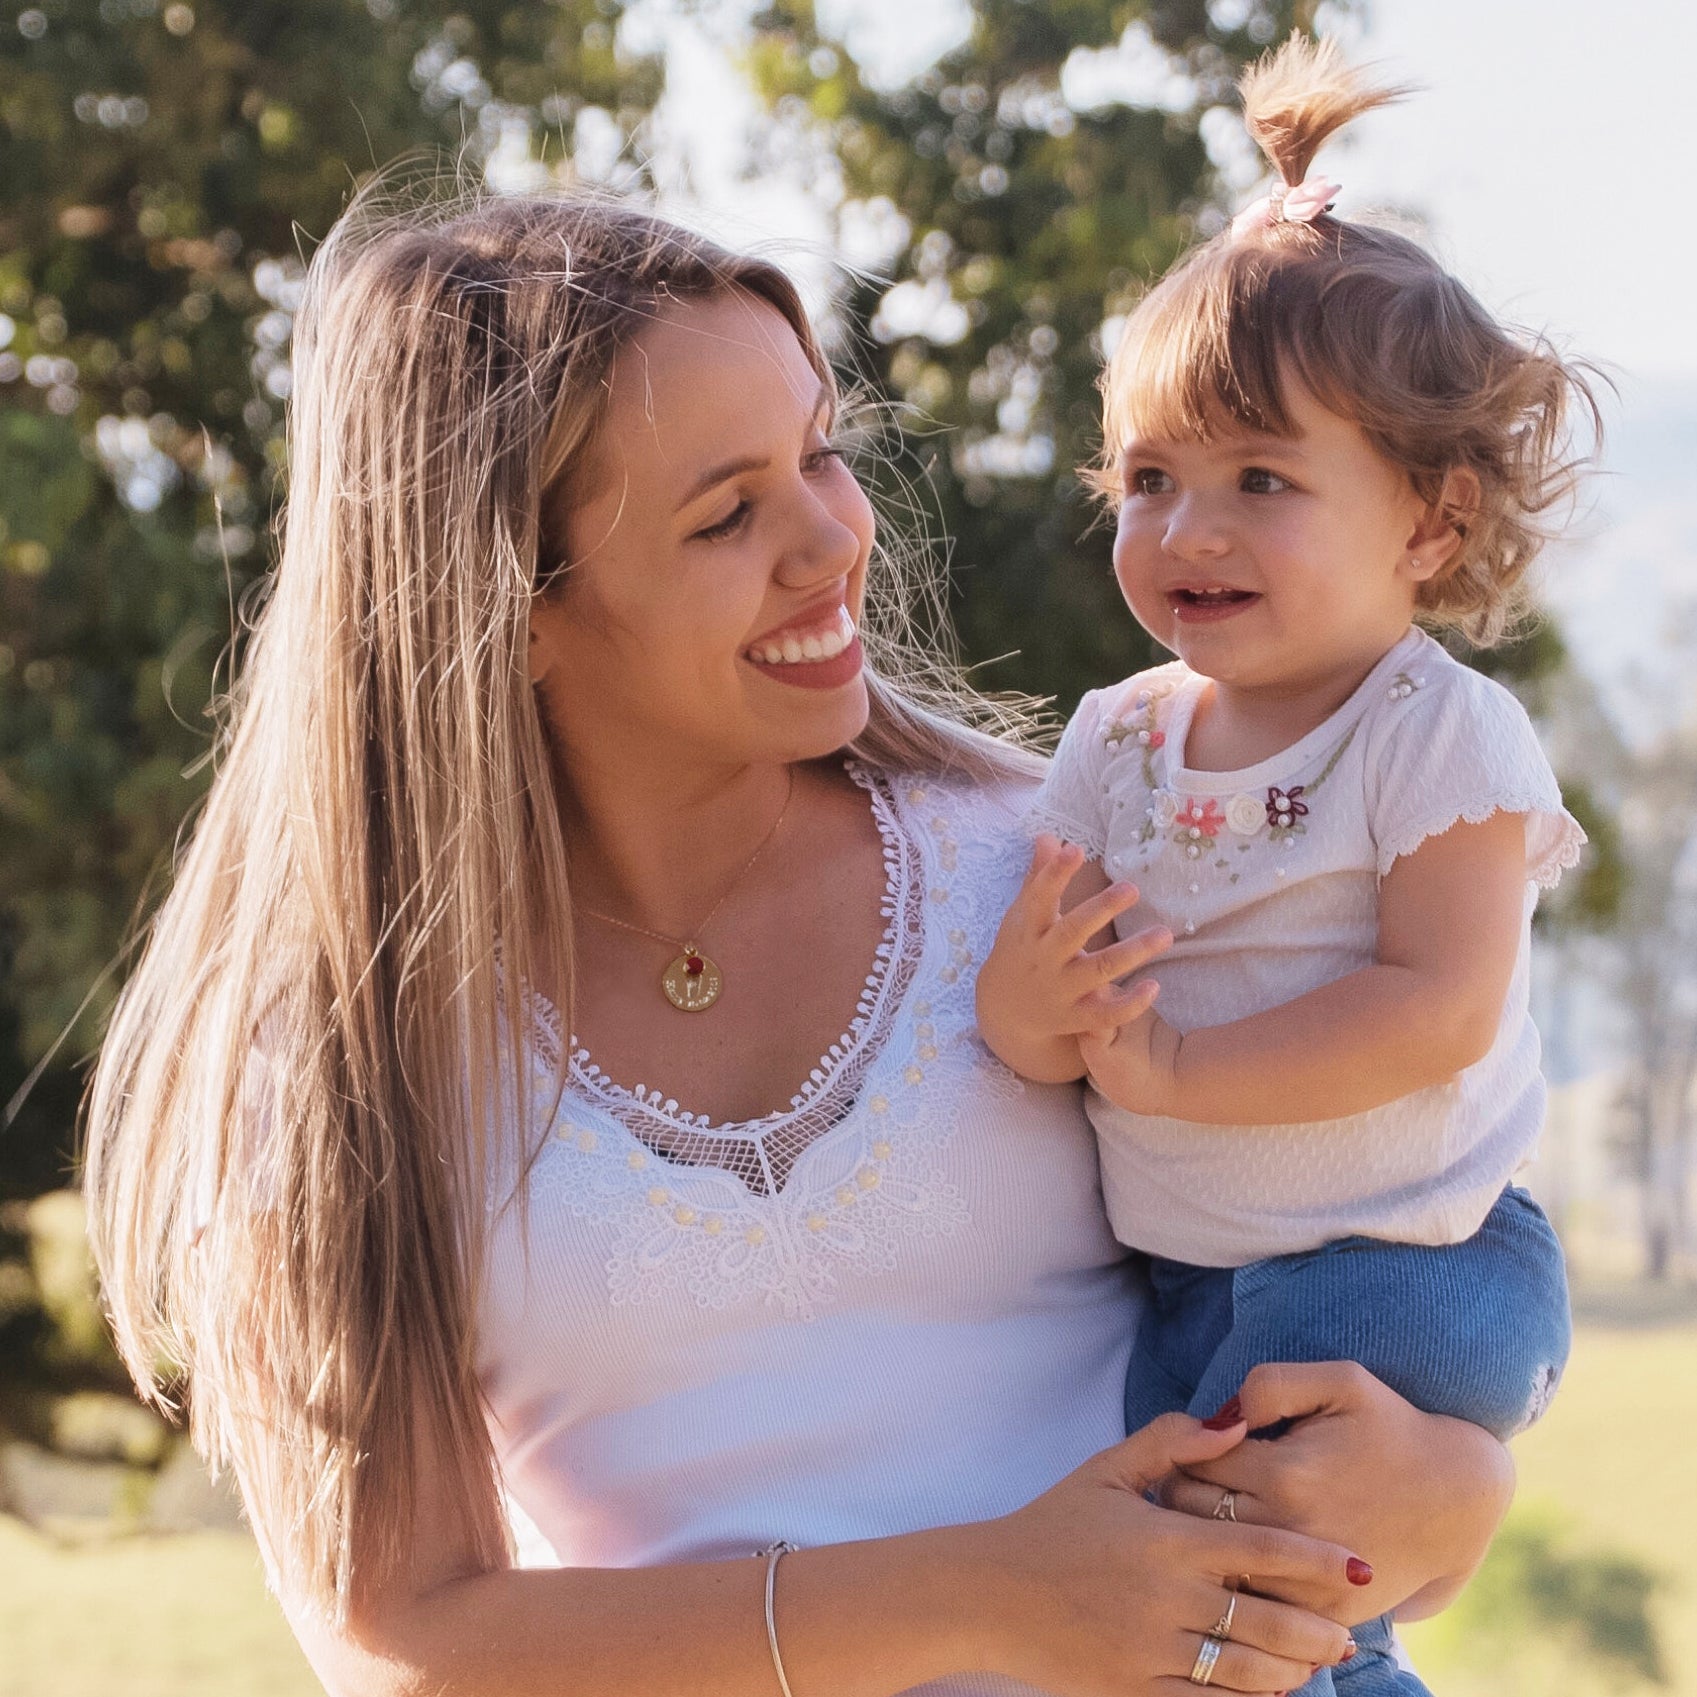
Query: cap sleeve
(1069, 803)
(1456, 746)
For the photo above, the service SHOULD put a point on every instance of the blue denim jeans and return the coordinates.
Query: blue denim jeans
(1479, 1330)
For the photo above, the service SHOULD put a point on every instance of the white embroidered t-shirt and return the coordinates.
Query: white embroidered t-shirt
(927, 1322)
(1268, 879)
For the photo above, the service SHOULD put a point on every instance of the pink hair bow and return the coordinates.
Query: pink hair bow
(1284, 205)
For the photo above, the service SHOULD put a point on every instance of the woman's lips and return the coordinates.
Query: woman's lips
(829, 673)
(814, 653)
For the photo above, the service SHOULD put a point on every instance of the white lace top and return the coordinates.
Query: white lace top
(895, 1304)
(1268, 879)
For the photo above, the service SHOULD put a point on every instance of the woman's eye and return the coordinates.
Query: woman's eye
(821, 457)
(1148, 480)
(729, 525)
(1257, 480)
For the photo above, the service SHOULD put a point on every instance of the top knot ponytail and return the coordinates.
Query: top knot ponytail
(1299, 94)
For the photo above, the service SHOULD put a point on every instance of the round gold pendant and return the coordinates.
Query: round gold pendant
(692, 982)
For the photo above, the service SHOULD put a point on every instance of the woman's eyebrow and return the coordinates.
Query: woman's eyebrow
(717, 473)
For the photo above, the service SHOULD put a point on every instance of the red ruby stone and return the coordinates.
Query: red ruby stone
(694, 965)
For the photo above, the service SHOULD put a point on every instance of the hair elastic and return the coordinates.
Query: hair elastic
(1287, 203)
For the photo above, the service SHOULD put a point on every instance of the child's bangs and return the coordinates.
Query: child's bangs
(1200, 358)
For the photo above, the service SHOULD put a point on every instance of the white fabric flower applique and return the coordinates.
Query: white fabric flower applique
(1246, 813)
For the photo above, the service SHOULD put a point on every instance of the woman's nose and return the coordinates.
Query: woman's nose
(824, 542)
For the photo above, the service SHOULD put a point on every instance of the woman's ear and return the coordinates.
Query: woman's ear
(1443, 525)
(539, 653)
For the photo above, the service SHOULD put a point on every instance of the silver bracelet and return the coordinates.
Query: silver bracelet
(773, 1554)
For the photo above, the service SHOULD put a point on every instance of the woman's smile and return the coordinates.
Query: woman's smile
(815, 650)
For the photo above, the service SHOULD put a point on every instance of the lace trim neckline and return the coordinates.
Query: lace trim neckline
(894, 963)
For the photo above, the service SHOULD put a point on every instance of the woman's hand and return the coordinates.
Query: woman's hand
(1096, 1592)
(1041, 986)
(1418, 1495)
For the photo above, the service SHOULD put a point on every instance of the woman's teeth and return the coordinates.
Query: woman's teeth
(790, 650)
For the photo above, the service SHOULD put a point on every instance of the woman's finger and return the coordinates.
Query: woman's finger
(1202, 1498)
(1269, 1553)
(1282, 1632)
(1238, 1667)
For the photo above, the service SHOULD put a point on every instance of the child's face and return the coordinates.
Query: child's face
(1269, 562)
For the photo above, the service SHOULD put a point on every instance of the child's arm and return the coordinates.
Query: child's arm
(1041, 986)
(1450, 916)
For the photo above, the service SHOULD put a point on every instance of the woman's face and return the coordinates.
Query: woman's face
(718, 547)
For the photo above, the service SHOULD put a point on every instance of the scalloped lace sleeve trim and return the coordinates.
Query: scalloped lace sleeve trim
(1091, 838)
(1553, 837)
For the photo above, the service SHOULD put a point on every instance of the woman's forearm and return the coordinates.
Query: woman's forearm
(857, 1620)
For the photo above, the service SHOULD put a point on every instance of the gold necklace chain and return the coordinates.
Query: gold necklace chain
(692, 982)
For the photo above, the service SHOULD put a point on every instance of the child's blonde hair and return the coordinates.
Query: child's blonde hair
(1370, 324)
(297, 1243)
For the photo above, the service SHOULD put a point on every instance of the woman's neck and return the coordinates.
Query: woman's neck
(658, 846)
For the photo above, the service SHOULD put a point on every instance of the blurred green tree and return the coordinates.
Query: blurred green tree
(162, 168)
(1020, 194)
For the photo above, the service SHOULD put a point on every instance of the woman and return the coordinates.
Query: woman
(542, 734)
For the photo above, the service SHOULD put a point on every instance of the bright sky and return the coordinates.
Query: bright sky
(1550, 155)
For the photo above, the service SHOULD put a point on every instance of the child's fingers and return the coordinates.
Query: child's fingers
(1076, 927)
(1117, 959)
(1054, 864)
(1109, 1009)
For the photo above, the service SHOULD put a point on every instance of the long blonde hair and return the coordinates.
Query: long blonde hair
(292, 1244)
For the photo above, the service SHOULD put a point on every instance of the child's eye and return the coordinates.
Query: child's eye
(729, 525)
(1257, 480)
(1148, 480)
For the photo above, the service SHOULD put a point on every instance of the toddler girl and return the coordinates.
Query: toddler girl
(1334, 831)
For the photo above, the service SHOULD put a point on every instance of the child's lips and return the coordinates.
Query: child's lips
(1209, 606)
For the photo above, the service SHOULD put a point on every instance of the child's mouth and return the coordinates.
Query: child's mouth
(1202, 606)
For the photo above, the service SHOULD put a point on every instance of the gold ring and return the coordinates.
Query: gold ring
(1202, 1670)
(1226, 1507)
(1222, 1628)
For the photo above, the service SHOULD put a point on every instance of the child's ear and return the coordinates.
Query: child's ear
(1443, 525)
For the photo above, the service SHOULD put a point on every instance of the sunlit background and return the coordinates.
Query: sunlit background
(972, 194)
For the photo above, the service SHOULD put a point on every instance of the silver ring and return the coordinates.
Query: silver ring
(1202, 1671)
(1222, 1628)
(1226, 1507)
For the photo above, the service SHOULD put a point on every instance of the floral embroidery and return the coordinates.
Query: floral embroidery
(1198, 823)
(1285, 809)
(1245, 813)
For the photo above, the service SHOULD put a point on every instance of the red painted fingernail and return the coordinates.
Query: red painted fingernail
(1227, 1415)
(1357, 1571)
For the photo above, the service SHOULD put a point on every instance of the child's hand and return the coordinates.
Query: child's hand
(1041, 988)
(1135, 1067)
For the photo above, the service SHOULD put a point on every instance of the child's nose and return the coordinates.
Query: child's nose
(1194, 529)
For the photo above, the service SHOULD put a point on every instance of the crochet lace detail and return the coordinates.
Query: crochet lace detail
(778, 1208)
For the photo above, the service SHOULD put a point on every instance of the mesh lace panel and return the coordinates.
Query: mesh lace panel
(762, 1152)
